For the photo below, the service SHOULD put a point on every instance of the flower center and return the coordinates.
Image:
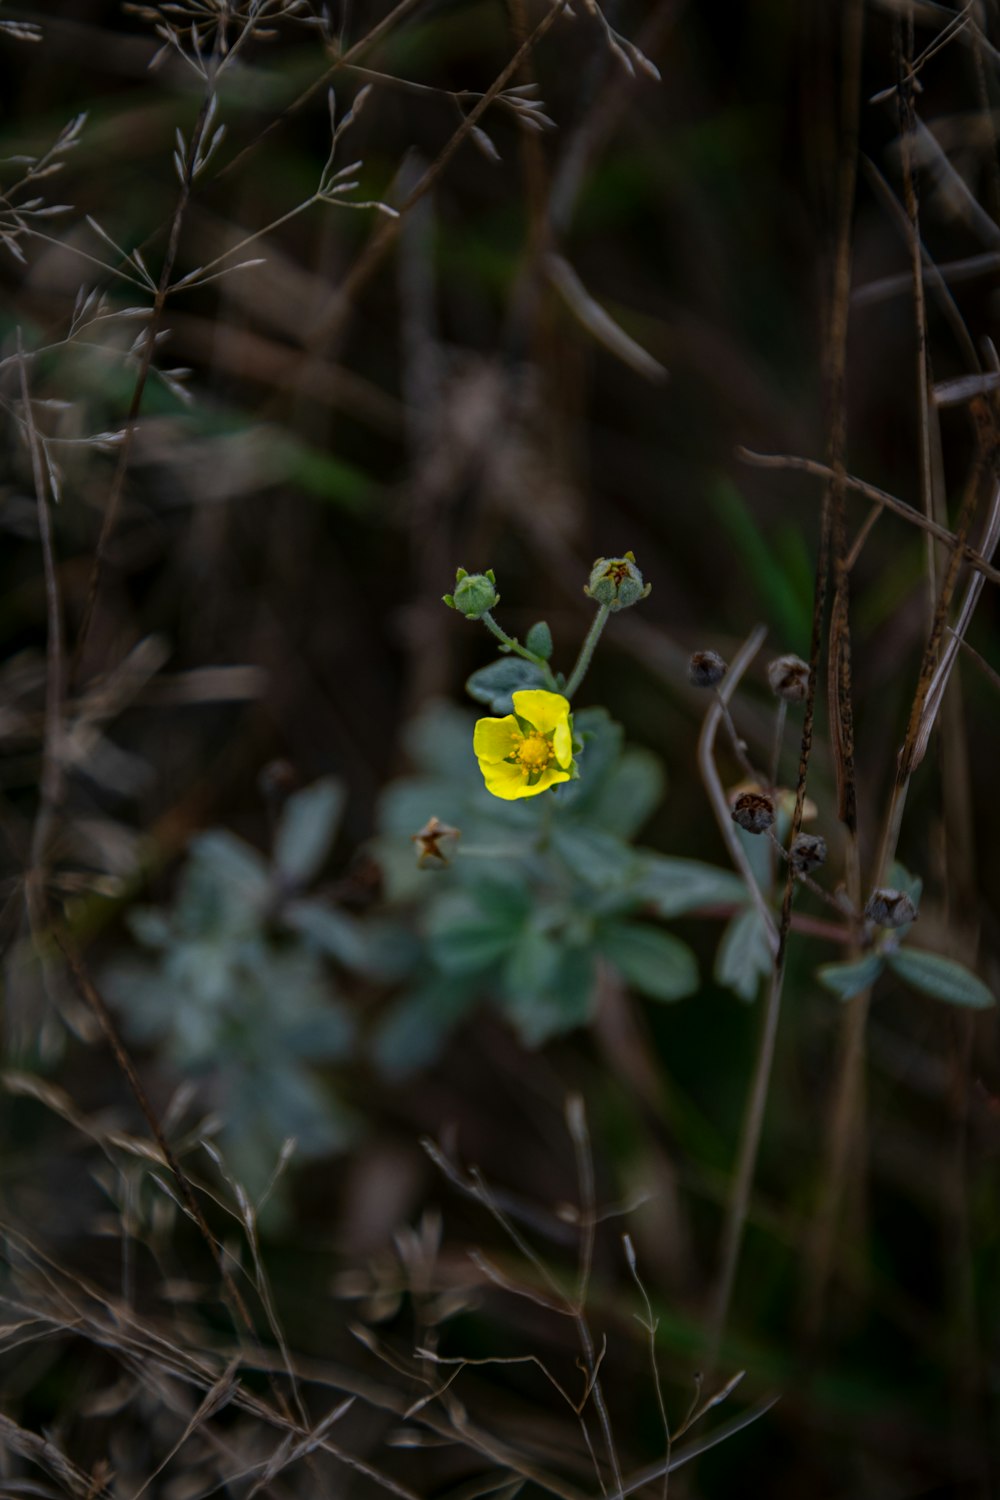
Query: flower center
(534, 753)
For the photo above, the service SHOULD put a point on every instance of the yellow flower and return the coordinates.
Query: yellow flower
(528, 751)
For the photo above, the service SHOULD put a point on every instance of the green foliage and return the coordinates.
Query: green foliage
(941, 977)
(495, 684)
(539, 640)
(541, 891)
(744, 956)
(849, 979)
(236, 988)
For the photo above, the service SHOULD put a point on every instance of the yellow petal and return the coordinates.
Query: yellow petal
(562, 744)
(495, 739)
(504, 780)
(545, 710)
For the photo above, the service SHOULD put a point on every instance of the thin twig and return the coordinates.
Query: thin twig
(872, 492)
(713, 786)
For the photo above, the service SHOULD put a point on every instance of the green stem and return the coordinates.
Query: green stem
(586, 651)
(510, 643)
(545, 823)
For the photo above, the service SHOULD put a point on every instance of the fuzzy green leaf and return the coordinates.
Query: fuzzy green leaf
(656, 964)
(495, 684)
(469, 935)
(539, 640)
(849, 979)
(941, 977)
(744, 955)
(675, 886)
(306, 831)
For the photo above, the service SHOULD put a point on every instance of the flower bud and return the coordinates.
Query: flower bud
(753, 812)
(890, 908)
(808, 852)
(475, 593)
(616, 582)
(789, 678)
(706, 669)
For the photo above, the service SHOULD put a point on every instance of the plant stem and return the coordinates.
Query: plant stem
(587, 650)
(510, 643)
(739, 1202)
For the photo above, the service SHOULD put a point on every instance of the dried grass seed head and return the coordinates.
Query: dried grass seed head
(706, 669)
(789, 678)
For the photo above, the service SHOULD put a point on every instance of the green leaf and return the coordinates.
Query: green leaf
(596, 858)
(849, 979)
(785, 607)
(306, 831)
(656, 964)
(601, 746)
(335, 932)
(414, 1031)
(494, 685)
(467, 935)
(675, 886)
(539, 640)
(898, 877)
(629, 794)
(744, 955)
(231, 862)
(941, 977)
(562, 1002)
(532, 963)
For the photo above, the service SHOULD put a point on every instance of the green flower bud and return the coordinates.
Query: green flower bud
(475, 593)
(616, 582)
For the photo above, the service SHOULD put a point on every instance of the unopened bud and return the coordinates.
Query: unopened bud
(890, 908)
(753, 812)
(706, 669)
(789, 678)
(475, 594)
(616, 582)
(808, 852)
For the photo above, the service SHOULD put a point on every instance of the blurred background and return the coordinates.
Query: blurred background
(513, 326)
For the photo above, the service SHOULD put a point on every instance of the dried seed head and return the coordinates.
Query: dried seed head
(428, 842)
(789, 678)
(706, 669)
(753, 812)
(807, 853)
(890, 908)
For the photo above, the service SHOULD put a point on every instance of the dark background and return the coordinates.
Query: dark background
(304, 515)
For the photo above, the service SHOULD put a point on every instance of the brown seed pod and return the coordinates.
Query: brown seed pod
(807, 853)
(753, 812)
(706, 669)
(890, 908)
(428, 842)
(789, 678)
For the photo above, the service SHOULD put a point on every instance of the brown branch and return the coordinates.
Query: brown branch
(871, 492)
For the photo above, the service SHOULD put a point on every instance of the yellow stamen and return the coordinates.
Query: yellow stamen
(534, 753)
